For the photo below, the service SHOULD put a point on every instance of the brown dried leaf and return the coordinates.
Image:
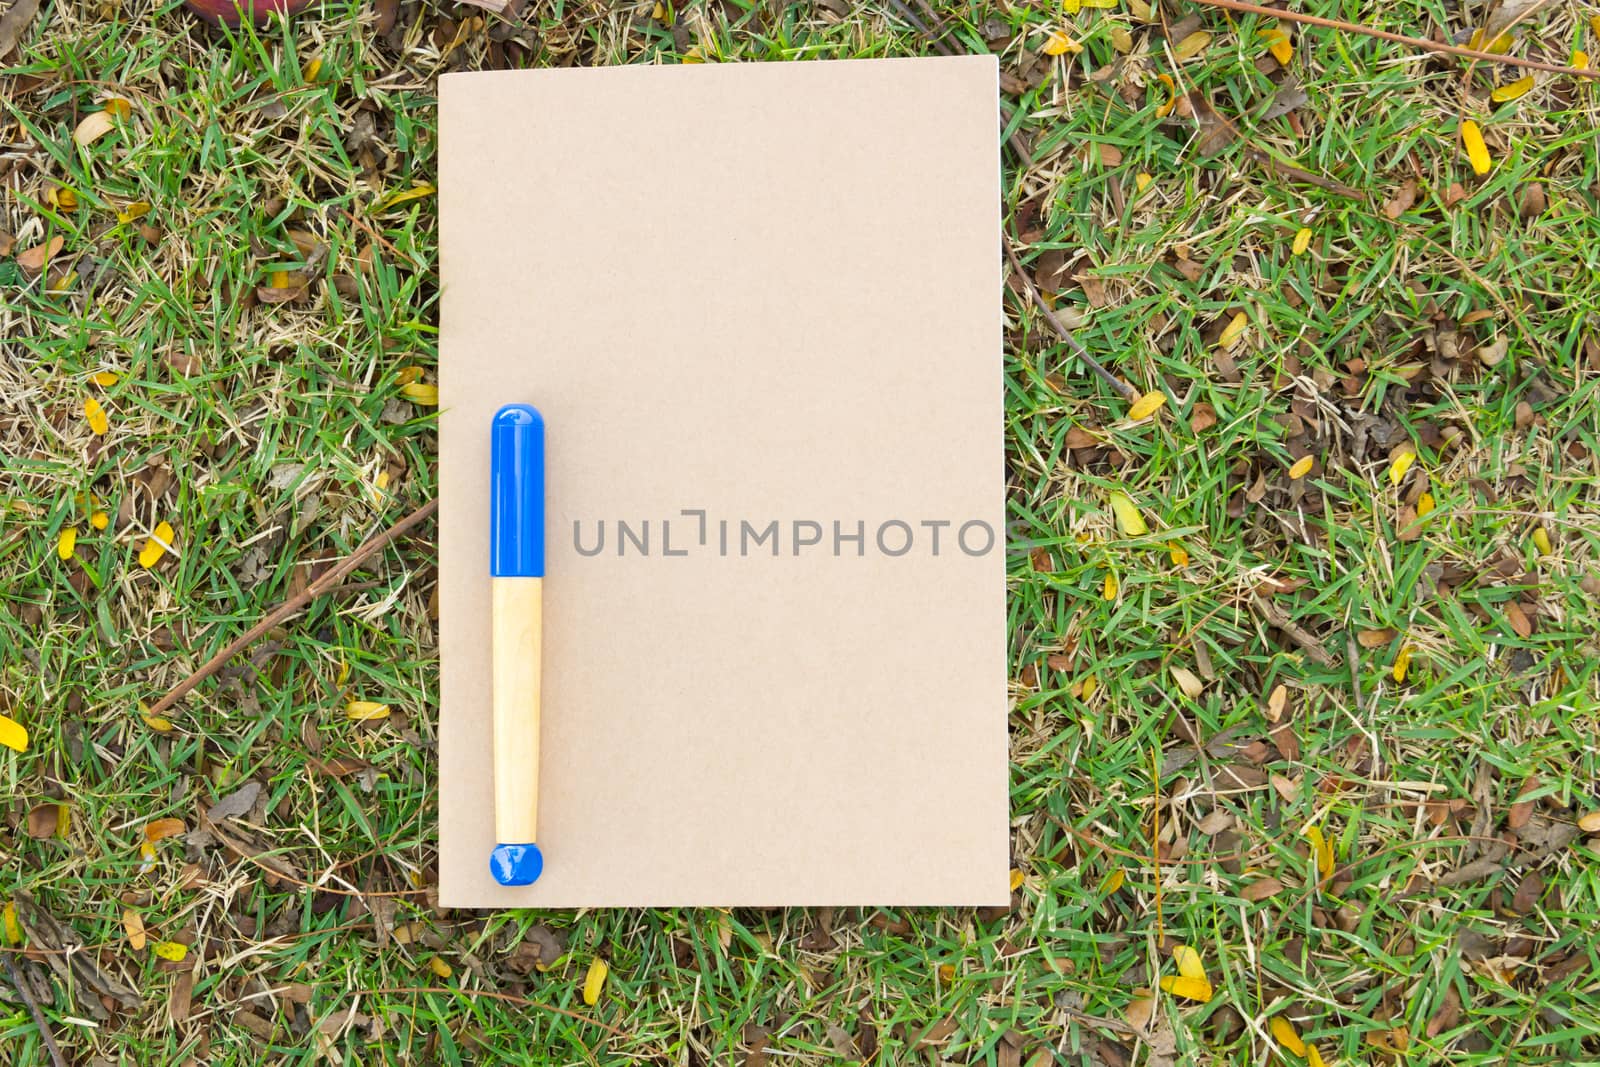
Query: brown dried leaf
(1402, 200)
(1261, 889)
(163, 828)
(1448, 1015)
(1376, 638)
(1520, 623)
(42, 820)
(35, 259)
(1203, 417)
(1529, 890)
(1522, 809)
(15, 22)
(235, 804)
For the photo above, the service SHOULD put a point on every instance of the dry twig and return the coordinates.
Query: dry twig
(49, 1038)
(327, 583)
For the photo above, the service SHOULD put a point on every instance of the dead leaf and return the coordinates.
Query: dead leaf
(1522, 809)
(95, 125)
(1191, 685)
(42, 820)
(1203, 417)
(1402, 199)
(36, 258)
(235, 804)
(1448, 1015)
(161, 829)
(1520, 623)
(1376, 638)
(1528, 892)
(1261, 889)
(1276, 702)
(15, 22)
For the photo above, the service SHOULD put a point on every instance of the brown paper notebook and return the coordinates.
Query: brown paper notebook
(760, 309)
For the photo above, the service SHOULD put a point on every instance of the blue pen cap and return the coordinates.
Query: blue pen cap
(516, 493)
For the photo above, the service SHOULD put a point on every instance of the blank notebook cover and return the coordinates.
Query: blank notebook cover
(760, 308)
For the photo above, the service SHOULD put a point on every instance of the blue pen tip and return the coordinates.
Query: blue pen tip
(516, 864)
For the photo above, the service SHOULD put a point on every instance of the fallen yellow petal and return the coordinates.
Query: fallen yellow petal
(1090, 684)
(1129, 520)
(1512, 90)
(1233, 331)
(156, 545)
(1191, 45)
(67, 543)
(1321, 849)
(1178, 554)
(1541, 541)
(1060, 44)
(1114, 882)
(173, 951)
(421, 393)
(594, 981)
(104, 378)
(1425, 504)
(1279, 44)
(133, 926)
(1016, 879)
(312, 69)
(1147, 405)
(1188, 962)
(438, 966)
(1287, 1035)
(1172, 96)
(1402, 663)
(157, 723)
(1580, 59)
(1477, 151)
(1142, 181)
(365, 710)
(96, 416)
(9, 925)
(1313, 1057)
(1188, 988)
(1110, 589)
(1301, 467)
(416, 192)
(1401, 464)
(99, 520)
(13, 734)
(134, 211)
(1302, 240)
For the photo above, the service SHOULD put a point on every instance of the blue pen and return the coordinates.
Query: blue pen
(516, 574)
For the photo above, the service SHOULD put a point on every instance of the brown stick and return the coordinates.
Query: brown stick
(289, 607)
(1400, 38)
(1274, 615)
(1127, 391)
(56, 1059)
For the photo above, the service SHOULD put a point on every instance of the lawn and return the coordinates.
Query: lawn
(1303, 730)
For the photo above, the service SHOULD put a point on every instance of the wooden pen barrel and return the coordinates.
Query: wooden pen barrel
(518, 625)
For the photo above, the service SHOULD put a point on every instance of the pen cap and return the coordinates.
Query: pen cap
(516, 493)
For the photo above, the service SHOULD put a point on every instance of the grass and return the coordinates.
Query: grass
(274, 437)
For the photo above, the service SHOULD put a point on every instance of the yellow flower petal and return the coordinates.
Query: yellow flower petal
(1188, 962)
(134, 211)
(439, 967)
(1090, 684)
(1172, 96)
(594, 982)
(421, 393)
(13, 734)
(174, 951)
(99, 520)
(1425, 504)
(1302, 240)
(1142, 181)
(1129, 520)
(1477, 151)
(1313, 1057)
(365, 710)
(1402, 663)
(1060, 44)
(1580, 59)
(416, 192)
(1191, 45)
(312, 69)
(1541, 541)
(104, 378)
(1279, 44)
(1233, 331)
(1287, 1035)
(156, 545)
(1302, 467)
(133, 926)
(1016, 879)
(9, 927)
(1321, 849)
(1188, 988)
(1147, 405)
(96, 416)
(1114, 881)
(1512, 90)
(1110, 589)
(67, 543)
(1401, 464)
(1178, 554)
